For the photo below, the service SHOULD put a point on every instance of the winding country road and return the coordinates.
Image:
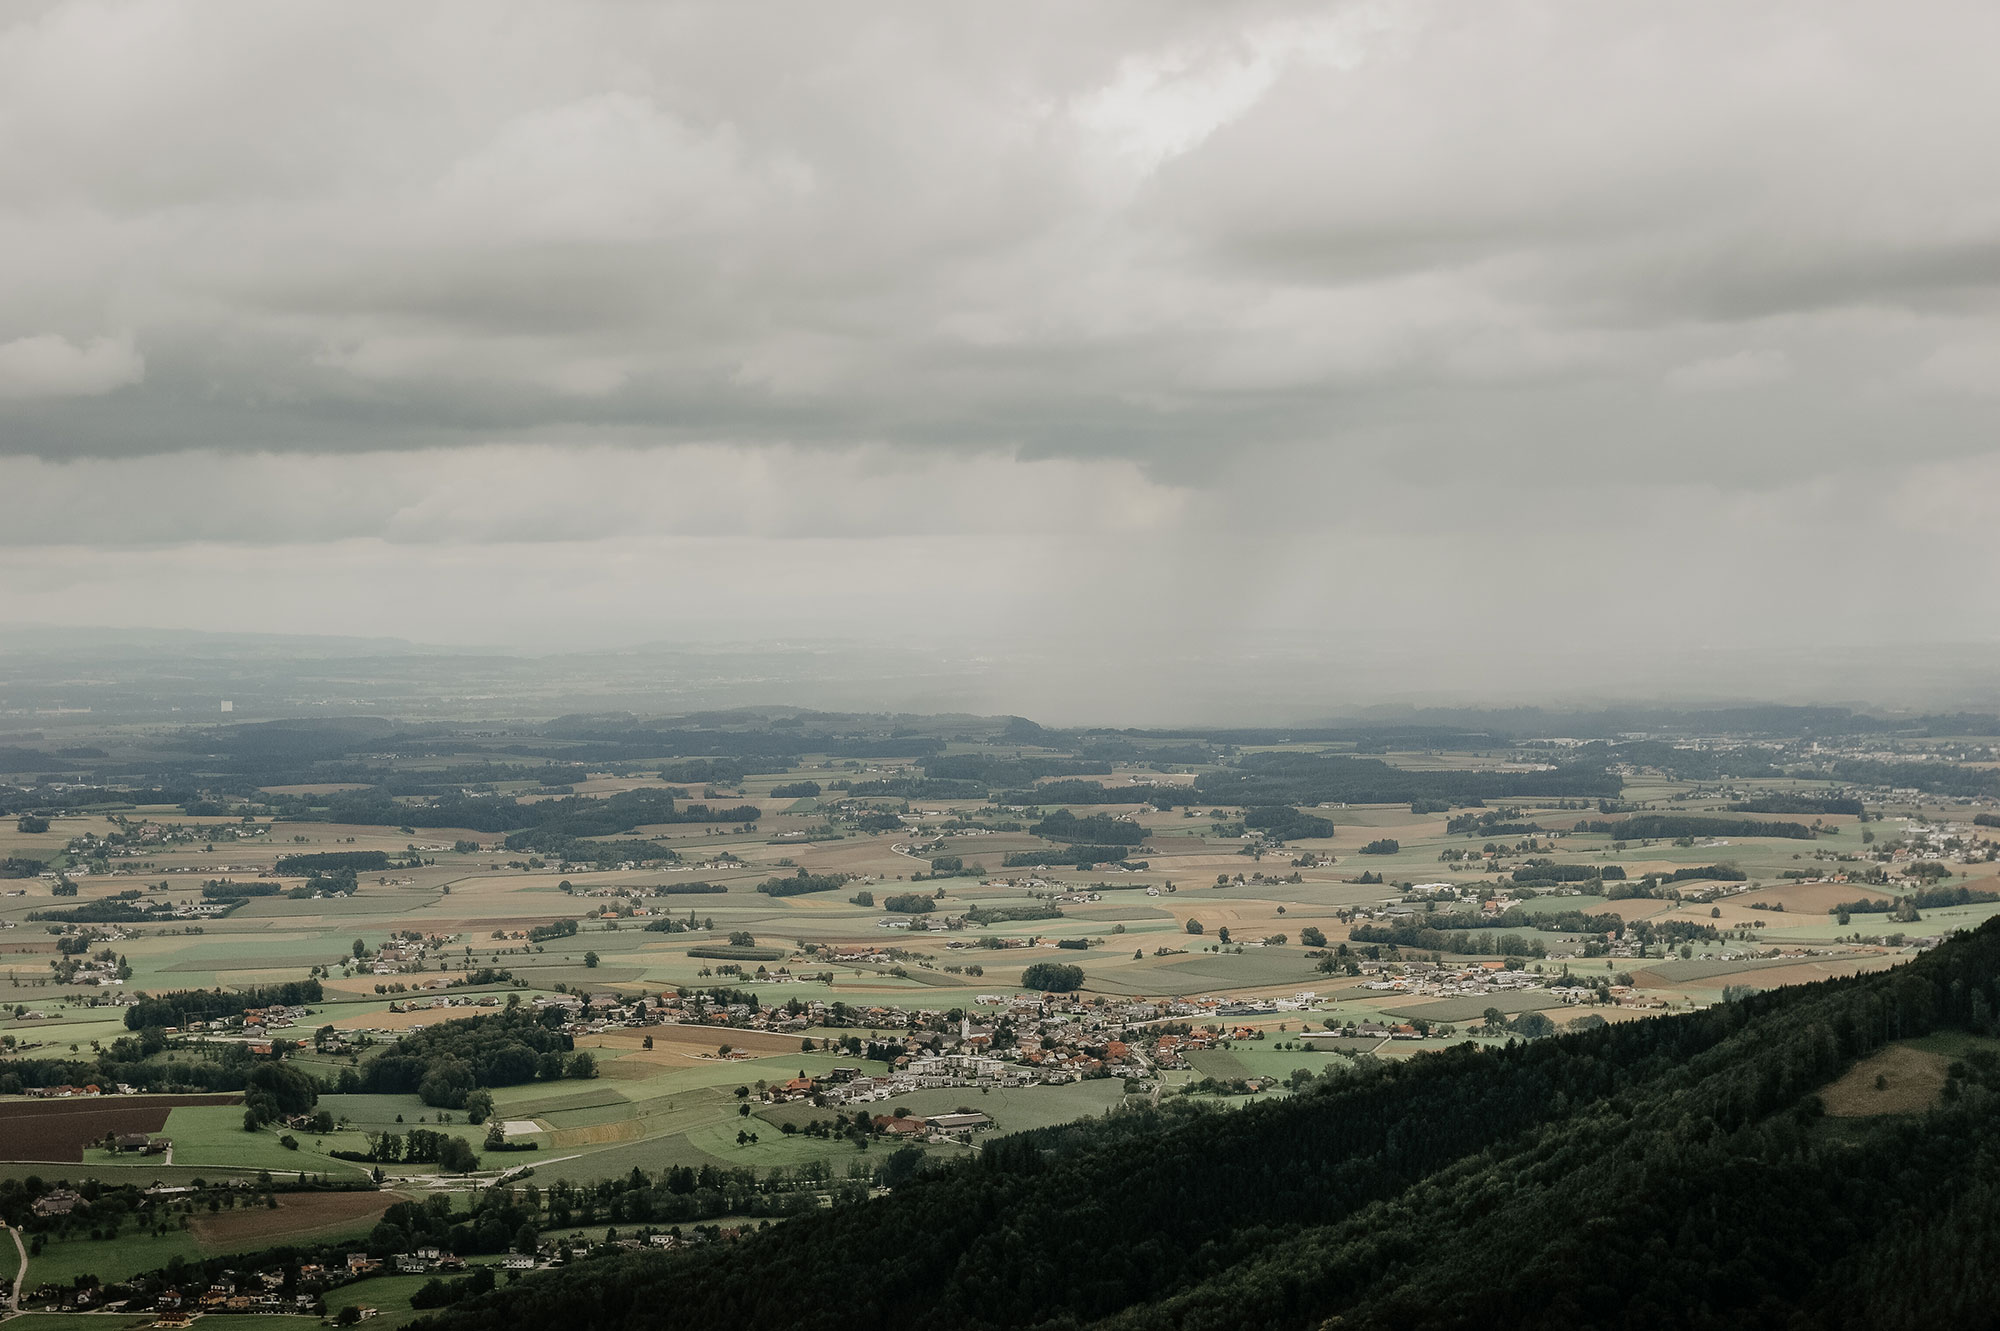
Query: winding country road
(14, 1298)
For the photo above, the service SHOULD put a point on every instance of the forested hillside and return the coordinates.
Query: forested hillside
(1678, 1171)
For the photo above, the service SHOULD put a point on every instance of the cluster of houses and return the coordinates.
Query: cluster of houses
(1032, 1039)
(254, 1025)
(1470, 979)
(67, 1092)
(92, 970)
(264, 1292)
(1953, 842)
(933, 1127)
(398, 956)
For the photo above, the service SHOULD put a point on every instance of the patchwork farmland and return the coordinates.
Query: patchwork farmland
(771, 976)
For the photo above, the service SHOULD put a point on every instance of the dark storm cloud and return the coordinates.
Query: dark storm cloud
(1147, 230)
(1268, 322)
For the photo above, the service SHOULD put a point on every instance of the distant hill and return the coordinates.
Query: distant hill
(1676, 1172)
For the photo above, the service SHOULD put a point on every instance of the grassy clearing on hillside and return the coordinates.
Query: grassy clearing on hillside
(1901, 1079)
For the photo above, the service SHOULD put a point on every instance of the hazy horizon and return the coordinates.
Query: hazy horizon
(156, 674)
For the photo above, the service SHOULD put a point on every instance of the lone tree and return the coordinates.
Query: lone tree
(456, 1156)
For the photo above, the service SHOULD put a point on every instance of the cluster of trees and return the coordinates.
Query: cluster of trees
(229, 890)
(1081, 856)
(436, 1293)
(985, 915)
(1281, 822)
(1548, 871)
(667, 924)
(446, 1063)
(1290, 777)
(419, 1146)
(326, 862)
(1430, 938)
(878, 822)
(608, 854)
(547, 826)
(1493, 822)
(1053, 977)
(992, 771)
(1460, 933)
(721, 771)
(1666, 826)
(1090, 792)
(1098, 829)
(910, 903)
(1791, 803)
(1934, 778)
(737, 952)
(802, 882)
(122, 909)
(916, 787)
(1719, 873)
(134, 1059)
(273, 1089)
(1668, 1172)
(1382, 846)
(186, 1005)
(796, 790)
(1924, 898)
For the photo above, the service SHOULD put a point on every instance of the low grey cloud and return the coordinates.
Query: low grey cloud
(50, 365)
(1154, 231)
(1213, 313)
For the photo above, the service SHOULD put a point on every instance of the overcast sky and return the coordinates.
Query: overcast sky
(1126, 331)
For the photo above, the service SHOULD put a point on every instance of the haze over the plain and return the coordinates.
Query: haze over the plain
(1502, 339)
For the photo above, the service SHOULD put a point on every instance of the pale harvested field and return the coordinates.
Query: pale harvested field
(1197, 866)
(1768, 977)
(1610, 1013)
(1805, 972)
(1913, 1078)
(599, 1134)
(1636, 908)
(334, 836)
(648, 1063)
(1811, 898)
(697, 1039)
(298, 1215)
(403, 1021)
